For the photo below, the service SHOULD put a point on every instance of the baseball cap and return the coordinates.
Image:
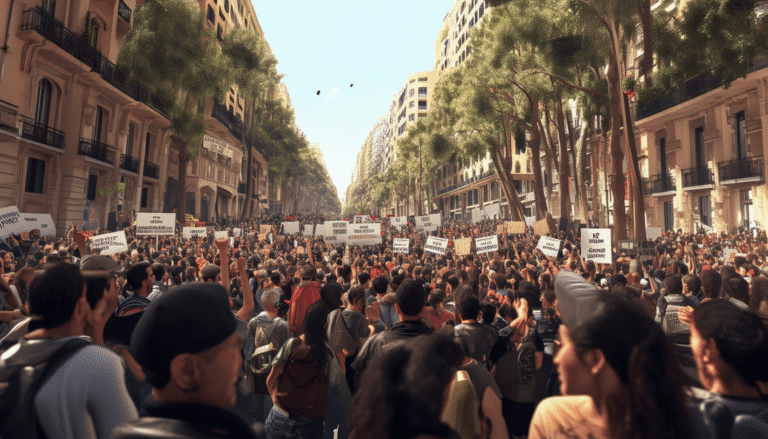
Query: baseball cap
(189, 318)
(576, 297)
(101, 263)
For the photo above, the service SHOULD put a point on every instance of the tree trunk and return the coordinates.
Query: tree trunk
(638, 203)
(572, 168)
(646, 21)
(564, 169)
(617, 155)
(181, 195)
(513, 200)
(581, 169)
(538, 190)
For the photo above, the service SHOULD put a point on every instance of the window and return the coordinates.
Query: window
(412, 104)
(92, 32)
(147, 142)
(93, 180)
(219, 32)
(49, 6)
(422, 105)
(663, 158)
(669, 216)
(520, 143)
(35, 175)
(191, 203)
(211, 15)
(411, 92)
(705, 210)
(97, 125)
(741, 136)
(144, 193)
(482, 9)
(745, 196)
(221, 14)
(129, 139)
(226, 5)
(422, 92)
(698, 140)
(43, 108)
(411, 117)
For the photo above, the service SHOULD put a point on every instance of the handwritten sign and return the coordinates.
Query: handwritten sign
(290, 227)
(110, 243)
(486, 244)
(541, 227)
(436, 245)
(596, 245)
(155, 223)
(500, 229)
(335, 232)
(39, 221)
(401, 245)
(516, 227)
(549, 246)
(463, 246)
(398, 221)
(9, 220)
(194, 232)
(428, 223)
(364, 234)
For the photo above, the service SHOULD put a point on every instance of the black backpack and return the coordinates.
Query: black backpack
(24, 369)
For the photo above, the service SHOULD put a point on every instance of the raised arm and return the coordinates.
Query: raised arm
(249, 303)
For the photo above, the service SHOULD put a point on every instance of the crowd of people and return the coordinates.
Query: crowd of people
(287, 336)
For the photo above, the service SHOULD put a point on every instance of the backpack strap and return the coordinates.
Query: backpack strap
(58, 358)
(341, 316)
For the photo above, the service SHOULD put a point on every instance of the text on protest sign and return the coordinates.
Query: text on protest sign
(436, 245)
(401, 245)
(364, 234)
(486, 244)
(155, 223)
(361, 219)
(335, 232)
(110, 243)
(596, 245)
(463, 246)
(429, 223)
(39, 221)
(400, 221)
(549, 246)
(194, 232)
(9, 220)
(290, 228)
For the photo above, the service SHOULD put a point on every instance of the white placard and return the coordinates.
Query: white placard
(652, 233)
(727, 254)
(290, 228)
(40, 221)
(398, 221)
(155, 223)
(237, 232)
(436, 245)
(596, 245)
(491, 210)
(401, 245)
(428, 223)
(530, 221)
(320, 229)
(364, 234)
(477, 215)
(549, 246)
(306, 230)
(335, 232)
(362, 219)
(194, 232)
(220, 234)
(486, 244)
(9, 220)
(110, 243)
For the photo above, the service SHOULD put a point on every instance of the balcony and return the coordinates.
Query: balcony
(8, 117)
(96, 150)
(466, 182)
(42, 134)
(702, 176)
(658, 184)
(228, 119)
(734, 171)
(151, 170)
(241, 188)
(130, 164)
(124, 12)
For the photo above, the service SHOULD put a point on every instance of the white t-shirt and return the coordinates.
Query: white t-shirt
(86, 397)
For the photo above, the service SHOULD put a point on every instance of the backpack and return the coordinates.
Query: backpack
(24, 369)
(260, 363)
(299, 385)
(340, 336)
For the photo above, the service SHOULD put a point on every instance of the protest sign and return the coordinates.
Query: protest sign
(486, 244)
(364, 234)
(549, 246)
(530, 221)
(237, 232)
(262, 237)
(500, 229)
(517, 227)
(9, 220)
(110, 243)
(320, 229)
(401, 245)
(155, 223)
(290, 227)
(220, 234)
(477, 215)
(596, 245)
(463, 246)
(436, 245)
(40, 221)
(429, 223)
(652, 233)
(361, 219)
(727, 252)
(306, 230)
(194, 232)
(491, 211)
(541, 227)
(398, 221)
(335, 232)
(265, 228)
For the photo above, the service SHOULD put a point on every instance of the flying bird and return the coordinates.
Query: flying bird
(351, 84)
(318, 92)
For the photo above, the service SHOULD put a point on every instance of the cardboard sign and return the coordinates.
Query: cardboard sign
(436, 245)
(39, 221)
(428, 223)
(237, 232)
(487, 244)
(335, 232)
(290, 228)
(463, 246)
(541, 227)
(220, 234)
(549, 246)
(364, 234)
(399, 221)
(516, 227)
(401, 245)
(262, 236)
(9, 220)
(155, 223)
(652, 233)
(596, 245)
(265, 228)
(110, 243)
(194, 232)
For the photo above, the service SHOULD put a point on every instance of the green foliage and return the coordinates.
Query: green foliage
(114, 190)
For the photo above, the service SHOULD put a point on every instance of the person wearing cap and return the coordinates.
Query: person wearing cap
(306, 294)
(188, 348)
(619, 373)
(121, 324)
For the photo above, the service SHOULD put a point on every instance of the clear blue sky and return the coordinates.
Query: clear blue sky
(321, 45)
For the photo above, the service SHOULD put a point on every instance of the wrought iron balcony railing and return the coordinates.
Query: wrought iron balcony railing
(151, 170)
(8, 118)
(96, 150)
(698, 176)
(657, 184)
(129, 163)
(42, 134)
(741, 168)
(228, 119)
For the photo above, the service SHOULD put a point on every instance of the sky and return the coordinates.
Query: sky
(329, 45)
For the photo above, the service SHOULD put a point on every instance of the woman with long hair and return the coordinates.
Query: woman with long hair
(618, 371)
(435, 313)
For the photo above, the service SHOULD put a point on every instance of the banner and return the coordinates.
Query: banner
(549, 246)
(290, 228)
(155, 223)
(335, 232)
(220, 234)
(541, 227)
(364, 234)
(436, 245)
(486, 244)
(110, 243)
(398, 221)
(262, 237)
(39, 221)
(219, 147)
(194, 232)
(516, 227)
(596, 245)
(401, 245)
(429, 223)
(652, 233)
(9, 220)
(463, 246)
